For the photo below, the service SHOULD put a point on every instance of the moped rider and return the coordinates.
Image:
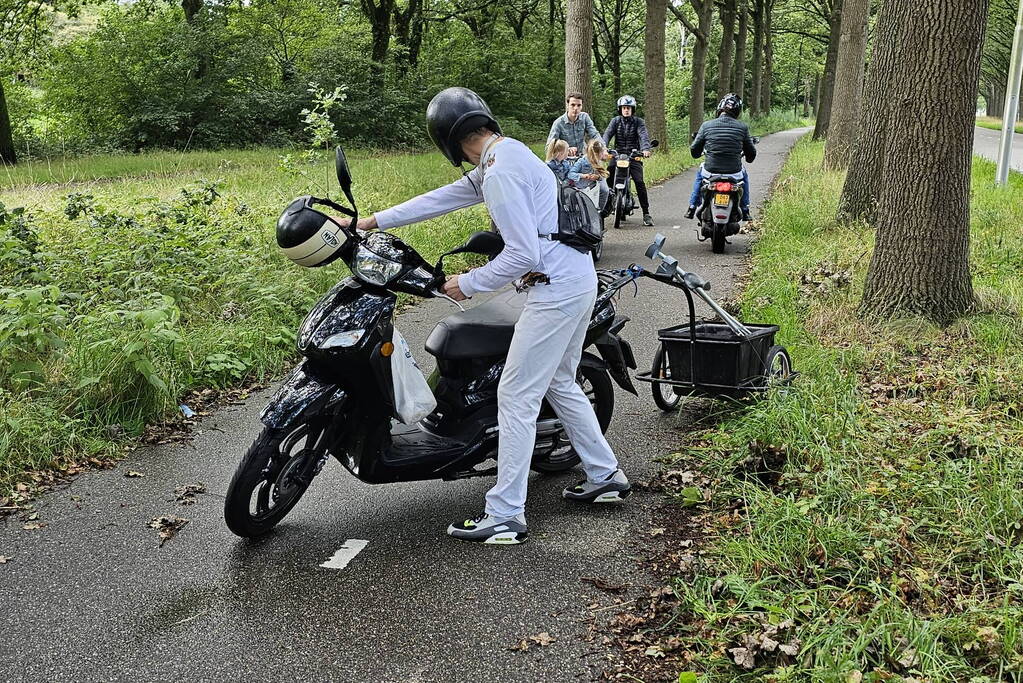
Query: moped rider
(725, 139)
(521, 195)
(629, 132)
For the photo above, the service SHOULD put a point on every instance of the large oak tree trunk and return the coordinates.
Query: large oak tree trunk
(653, 61)
(379, 16)
(920, 264)
(578, 46)
(828, 84)
(758, 57)
(727, 50)
(848, 93)
(7, 153)
(739, 68)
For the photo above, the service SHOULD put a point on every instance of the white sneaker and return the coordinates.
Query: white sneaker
(614, 489)
(487, 529)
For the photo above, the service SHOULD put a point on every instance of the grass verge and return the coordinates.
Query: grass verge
(995, 123)
(132, 282)
(865, 524)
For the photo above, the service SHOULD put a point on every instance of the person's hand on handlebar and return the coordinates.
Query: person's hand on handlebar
(450, 288)
(646, 152)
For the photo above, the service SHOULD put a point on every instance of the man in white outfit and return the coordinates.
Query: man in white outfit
(521, 194)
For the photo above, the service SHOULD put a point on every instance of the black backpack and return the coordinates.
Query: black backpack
(579, 224)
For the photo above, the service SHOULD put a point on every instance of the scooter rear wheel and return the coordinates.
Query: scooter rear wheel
(559, 455)
(272, 476)
(717, 239)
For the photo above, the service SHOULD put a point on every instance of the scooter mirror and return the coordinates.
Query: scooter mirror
(656, 246)
(654, 143)
(344, 176)
(482, 242)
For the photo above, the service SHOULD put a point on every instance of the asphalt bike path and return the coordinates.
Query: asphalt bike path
(986, 141)
(92, 595)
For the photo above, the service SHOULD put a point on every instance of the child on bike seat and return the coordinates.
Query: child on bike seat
(557, 153)
(589, 170)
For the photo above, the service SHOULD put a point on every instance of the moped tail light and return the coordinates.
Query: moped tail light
(724, 187)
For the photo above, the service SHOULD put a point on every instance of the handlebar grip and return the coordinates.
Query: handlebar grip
(694, 281)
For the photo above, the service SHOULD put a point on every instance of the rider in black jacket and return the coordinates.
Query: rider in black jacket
(629, 132)
(725, 140)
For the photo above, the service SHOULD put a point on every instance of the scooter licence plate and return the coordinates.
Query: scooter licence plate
(721, 199)
(623, 164)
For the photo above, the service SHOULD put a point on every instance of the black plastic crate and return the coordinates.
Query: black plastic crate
(722, 358)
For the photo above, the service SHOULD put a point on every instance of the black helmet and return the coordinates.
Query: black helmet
(731, 105)
(308, 236)
(453, 114)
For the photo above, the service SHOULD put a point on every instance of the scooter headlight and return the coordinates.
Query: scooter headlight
(374, 268)
(343, 340)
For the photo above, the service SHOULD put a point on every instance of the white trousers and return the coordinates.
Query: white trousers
(542, 360)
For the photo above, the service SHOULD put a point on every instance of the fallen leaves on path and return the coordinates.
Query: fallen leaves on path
(542, 639)
(4, 559)
(604, 585)
(133, 474)
(168, 526)
(186, 494)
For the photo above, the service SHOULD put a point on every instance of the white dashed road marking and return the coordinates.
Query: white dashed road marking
(345, 553)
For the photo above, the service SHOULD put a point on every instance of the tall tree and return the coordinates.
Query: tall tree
(578, 39)
(653, 62)
(8, 155)
(739, 67)
(757, 12)
(617, 25)
(767, 81)
(701, 32)
(848, 91)
(828, 83)
(726, 52)
(920, 264)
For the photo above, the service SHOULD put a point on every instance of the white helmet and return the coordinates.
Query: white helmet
(626, 101)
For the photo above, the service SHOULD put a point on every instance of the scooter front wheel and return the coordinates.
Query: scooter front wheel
(557, 455)
(272, 476)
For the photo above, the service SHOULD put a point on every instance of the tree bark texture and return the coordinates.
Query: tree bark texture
(726, 53)
(705, 14)
(7, 152)
(379, 15)
(848, 91)
(921, 256)
(653, 61)
(828, 85)
(863, 179)
(768, 79)
(739, 67)
(758, 56)
(578, 46)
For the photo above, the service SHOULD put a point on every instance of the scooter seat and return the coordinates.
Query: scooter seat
(482, 331)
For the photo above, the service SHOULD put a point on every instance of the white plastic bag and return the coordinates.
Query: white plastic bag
(413, 399)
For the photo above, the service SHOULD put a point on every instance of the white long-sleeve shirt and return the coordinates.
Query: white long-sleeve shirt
(521, 194)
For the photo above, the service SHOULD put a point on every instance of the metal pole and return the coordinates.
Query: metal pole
(1011, 102)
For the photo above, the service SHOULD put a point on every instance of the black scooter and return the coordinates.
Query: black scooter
(621, 201)
(718, 213)
(340, 400)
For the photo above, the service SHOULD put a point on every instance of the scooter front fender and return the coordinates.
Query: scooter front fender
(302, 392)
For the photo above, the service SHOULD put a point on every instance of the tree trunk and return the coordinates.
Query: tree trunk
(705, 14)
(7, 152)
(758, 57)
(848, 92)
(653, 61)
(379, 16)
(806, 97)
(862, 182)
(739, 68)
(578, 39)
(765, 85)
(191, 9)
(818, 81)
(551, 11)
(828, 86)
(727, 50)
(920, 264)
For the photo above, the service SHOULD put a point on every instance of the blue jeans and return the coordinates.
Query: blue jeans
(694, 198)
